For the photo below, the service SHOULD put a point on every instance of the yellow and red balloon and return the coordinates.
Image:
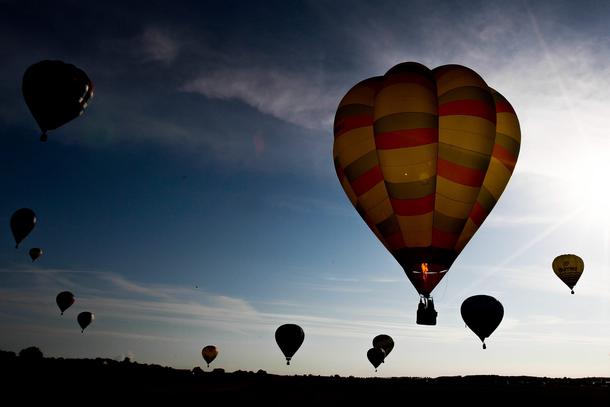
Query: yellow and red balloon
(424, 155)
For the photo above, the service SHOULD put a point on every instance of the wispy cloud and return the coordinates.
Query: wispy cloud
(174, 306)
(129, 286)
(386, 280)
(158, 45)
(300, 97)
(341, 279)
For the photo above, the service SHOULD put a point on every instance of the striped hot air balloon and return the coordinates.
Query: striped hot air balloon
(424, 155)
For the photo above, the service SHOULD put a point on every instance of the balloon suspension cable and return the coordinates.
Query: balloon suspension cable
(44, 137)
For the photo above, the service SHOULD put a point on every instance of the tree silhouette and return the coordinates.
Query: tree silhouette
(31, 353)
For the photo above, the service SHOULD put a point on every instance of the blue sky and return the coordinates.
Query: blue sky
(196, 203)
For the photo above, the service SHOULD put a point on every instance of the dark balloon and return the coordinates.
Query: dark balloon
(35, 252)
(375, 356)
(209, 353)
(55, 93)
(84, 319)
(22, 223)
(64, 300)
(482, 314)
(289, 338)
(384, 342)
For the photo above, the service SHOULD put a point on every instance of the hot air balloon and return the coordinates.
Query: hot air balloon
(289, 338)
(22, 223)
(209, 353)
(569, 268)
(64, 300)
(424, 155)
(384, 342)
(482, 314)
(84, 319)
(376, 356)
(35, 252)
(56, 93)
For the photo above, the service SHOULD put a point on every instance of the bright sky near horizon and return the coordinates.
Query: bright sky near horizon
(195, 202)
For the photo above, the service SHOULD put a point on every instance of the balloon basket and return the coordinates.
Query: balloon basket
(426, 314)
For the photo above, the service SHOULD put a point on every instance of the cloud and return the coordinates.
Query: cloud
(122, 315)
(303, 98)
(128, 286)
(388, 280)
(341, 279)
(157, 45)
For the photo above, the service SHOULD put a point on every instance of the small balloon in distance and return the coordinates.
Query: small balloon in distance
(289, 338)
(35, 253)
(64, 300)
(376, 356)
(569, 268)
(482, 314)
(22, 223)
(85, 319)
(384, 342)
(209, 353)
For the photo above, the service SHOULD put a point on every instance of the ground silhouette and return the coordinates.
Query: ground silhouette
(84, 381)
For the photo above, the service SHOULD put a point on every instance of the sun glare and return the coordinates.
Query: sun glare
(586, 184)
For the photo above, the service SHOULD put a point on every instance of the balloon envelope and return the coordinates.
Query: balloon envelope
(376, 356)
(424, 155)
(289, 338)
(55, 93)
(64, 300)
(209, 353)
(482, 314)
(569, 268)
(35, 252)
(22, 223)
(84, 319)
(384, 342)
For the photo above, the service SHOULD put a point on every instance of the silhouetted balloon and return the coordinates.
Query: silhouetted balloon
(569, 268)
(35, 252)
(64, 300)
(22, 223)
(209, 353)
(424, 155)
(384, 342)
(482, 314)
(375, 356)
(55, 93)
(84, 319)
(289, 338)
